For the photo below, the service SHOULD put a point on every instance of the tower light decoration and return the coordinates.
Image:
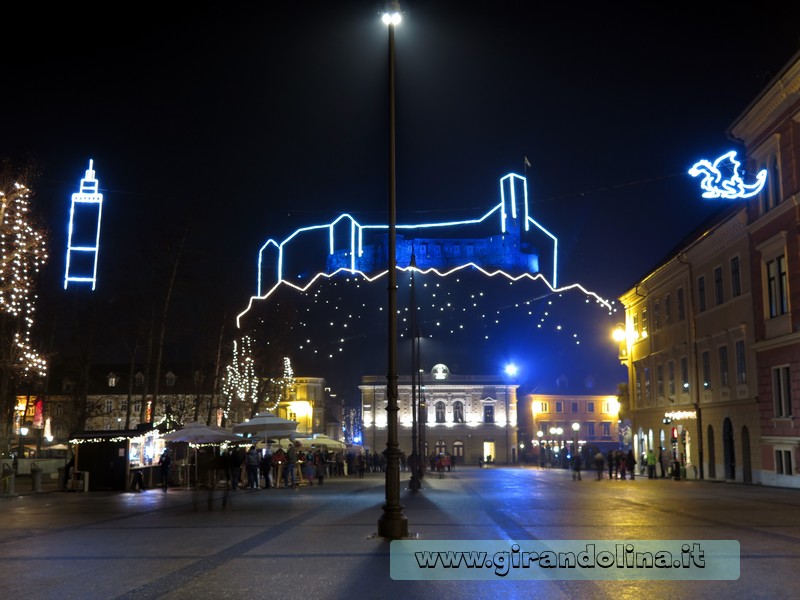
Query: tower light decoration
(23, 253)
(240, 384)
(280, 388)
(83, 239)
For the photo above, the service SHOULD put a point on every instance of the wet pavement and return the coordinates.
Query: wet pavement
(321, 542)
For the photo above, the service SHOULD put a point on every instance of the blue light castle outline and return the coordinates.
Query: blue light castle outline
(85, 202)
(353, 250)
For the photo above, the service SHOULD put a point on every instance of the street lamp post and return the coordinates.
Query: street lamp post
(575, 428)
(392, 523)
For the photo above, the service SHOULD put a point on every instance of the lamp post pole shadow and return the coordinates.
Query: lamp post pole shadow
(392, 523)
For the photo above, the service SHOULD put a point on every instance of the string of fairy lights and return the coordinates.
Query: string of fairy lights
(242, 387)
(343, 312)
(23, 253)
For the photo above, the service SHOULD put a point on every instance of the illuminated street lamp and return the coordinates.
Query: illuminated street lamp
(557, 431)
(575, 429)
(23, 431)
(392, 523)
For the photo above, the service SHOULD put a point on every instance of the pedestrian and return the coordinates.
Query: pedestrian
(320, 466)
(610, 461)
(360, 465)
(662, 462)
(598, 464)
(651, 464)
(251, 463)
(576, 466)
(623, 466)
(291, 463)
(631, 464)
(265, 466)
(165, 462)
(235, 460)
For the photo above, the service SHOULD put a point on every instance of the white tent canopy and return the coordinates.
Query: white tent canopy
(321, 441)
(266, 425)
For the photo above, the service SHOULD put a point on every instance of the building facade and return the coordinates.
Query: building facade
(689, 352)
(564, 422)
(769, 129)
(713, 332)
(470, 417)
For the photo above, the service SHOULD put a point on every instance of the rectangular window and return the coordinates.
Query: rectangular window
(783, 462)
(736, 282)
(638, 387)
(782, 391)
(559, 407)
(719, 295)
(667, 309)
(635, 323)
(575, 407)
(488, 414)
(741, 363)
(647, 387)
(671, 377)
(644, 322)
(706, 358)
(701, 294)
(723, 366)
(590, 407)
(656, 315)
(137, 407)
(681, 305)
(590, 429)
(684, 375)
(109, 405)
(660, 381)
(606, 428)
(777, 294)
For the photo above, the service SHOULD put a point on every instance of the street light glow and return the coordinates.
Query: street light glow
(391, 18)
(511, 370)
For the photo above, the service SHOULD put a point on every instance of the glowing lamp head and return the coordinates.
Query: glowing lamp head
(391, 18)
(576, 426)
(23, 430)
(511, 370)
(618, 335)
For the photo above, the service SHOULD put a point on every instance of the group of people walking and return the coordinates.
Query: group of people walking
(620, 465)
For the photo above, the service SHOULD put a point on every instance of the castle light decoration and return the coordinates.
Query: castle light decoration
(510, 246)
(717, 185)
(83, 239)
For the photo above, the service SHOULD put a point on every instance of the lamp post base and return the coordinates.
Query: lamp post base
(392, 525)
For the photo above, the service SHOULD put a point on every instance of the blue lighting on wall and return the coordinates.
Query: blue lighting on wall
(83, 240)
(717, 185)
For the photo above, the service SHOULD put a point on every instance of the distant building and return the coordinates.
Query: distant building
(471, 417)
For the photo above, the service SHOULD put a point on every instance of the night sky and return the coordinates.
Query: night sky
(224, 124)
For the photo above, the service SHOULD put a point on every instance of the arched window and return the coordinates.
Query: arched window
(458, 412)
(440, 412)
(441, 447)
(458, 448)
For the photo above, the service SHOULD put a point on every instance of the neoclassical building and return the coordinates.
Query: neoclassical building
(467, 416)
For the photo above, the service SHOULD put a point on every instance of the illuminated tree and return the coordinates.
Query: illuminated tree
(280, 389)
(22, 255)
(240, 384)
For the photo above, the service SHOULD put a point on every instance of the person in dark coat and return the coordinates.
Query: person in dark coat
(631, 463)
(165, 462)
